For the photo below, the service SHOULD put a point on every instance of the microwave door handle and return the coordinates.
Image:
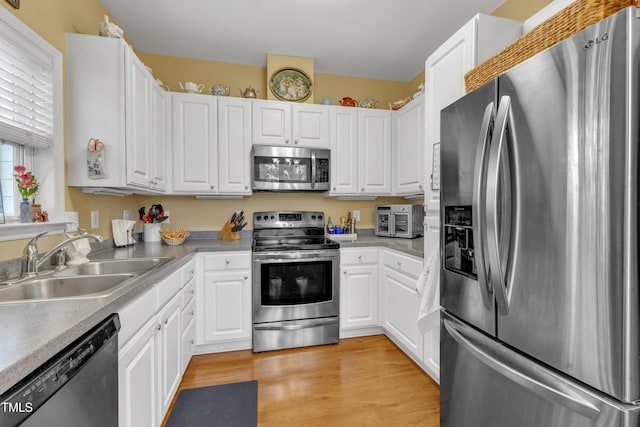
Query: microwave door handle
(313, 170)
(479, 205)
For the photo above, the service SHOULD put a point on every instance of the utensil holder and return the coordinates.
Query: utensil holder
(227, 234)
(151, 232)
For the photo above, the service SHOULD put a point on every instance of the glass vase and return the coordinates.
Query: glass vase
(25, 211)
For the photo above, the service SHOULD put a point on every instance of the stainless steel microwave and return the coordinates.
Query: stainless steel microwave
(399, 221)
(276, 168)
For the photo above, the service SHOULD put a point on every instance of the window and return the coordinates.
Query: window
(31, 129)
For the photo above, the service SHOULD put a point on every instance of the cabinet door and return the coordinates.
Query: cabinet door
(188, 344)
(226, 302)
(169, 348)
(400, 306)
(311, 125)
(408, 148)
(158, 137)
(138, 111)
(234, 145)
(138, 400)
(343, 123)
(271, 123)
(195, 144)
(374, 151)
(359, 296)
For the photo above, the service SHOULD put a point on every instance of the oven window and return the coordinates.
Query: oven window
(294, 283)
(282, 169)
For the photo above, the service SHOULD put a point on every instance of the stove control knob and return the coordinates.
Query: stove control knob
(258, 218)
(313, 217)
(319, 216)
(272, 217)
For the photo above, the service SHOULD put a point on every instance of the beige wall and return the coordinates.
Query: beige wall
(53, 18)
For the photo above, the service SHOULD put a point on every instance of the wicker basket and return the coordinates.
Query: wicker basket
(574, 18)
(174, 237)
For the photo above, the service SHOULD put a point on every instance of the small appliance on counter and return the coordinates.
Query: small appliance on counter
(403, 221)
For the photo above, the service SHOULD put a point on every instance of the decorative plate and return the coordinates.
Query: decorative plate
(290, 84)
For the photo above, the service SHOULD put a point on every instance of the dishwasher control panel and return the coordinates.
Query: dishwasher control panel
(19, 402)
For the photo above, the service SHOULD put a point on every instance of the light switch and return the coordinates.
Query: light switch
(95, 219)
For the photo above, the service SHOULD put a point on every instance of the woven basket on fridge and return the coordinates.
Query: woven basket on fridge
(570, 20)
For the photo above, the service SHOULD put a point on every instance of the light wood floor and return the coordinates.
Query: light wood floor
(358, 382)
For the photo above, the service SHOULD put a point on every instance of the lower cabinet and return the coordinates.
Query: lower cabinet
(358, 292)
(401, 301)
(223, 312)
(151, 356)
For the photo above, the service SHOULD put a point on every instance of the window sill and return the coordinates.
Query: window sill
(16, 230)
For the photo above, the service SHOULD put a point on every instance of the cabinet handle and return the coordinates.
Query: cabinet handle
(334, 188)
(212, 187)
(227, 262)
(166, 321)
(246, 277)
(362, 189)
(192, 312)
(192, 342)
(286, 141)
(246, 187)
(344, 272)
(399, 265)
(420, 186)
(295, 141)
(193, 291)
(159, 327)
(360, 257)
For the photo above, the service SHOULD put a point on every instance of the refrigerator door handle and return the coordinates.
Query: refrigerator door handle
(521, 371)
(478, 206)
(497, 160)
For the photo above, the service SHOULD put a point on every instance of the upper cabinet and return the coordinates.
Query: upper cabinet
(408, 148)
(112, 97)
(479, 39)
(287, 123)
(360, 152)
(211, 145)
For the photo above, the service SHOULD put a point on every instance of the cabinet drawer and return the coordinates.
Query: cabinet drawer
(188, 272)
(403, 263)
(188, 293)
(227, 261)
(358, 256)
(188, 314)
(135, 314)
(169, 287)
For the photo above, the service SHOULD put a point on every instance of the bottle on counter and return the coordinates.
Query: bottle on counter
(330, 227)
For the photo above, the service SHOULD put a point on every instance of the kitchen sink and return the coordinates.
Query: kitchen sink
(46, 288)
(112, 266)
(94, 279)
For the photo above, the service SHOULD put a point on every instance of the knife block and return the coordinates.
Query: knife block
(227, 234)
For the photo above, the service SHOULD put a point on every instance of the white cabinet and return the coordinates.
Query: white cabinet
(112, 97)
(211, 144)
(476, 41)
(408, 148)
(150, 356)
(360, 152)
(358, 290)
(374, 136)
(195, 143)
(223, 312)
(287, 123)
(234, 145)
(169, 349)
(401, 302)
(431, 357)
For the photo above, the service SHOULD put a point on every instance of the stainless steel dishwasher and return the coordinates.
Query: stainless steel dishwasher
(76, 387)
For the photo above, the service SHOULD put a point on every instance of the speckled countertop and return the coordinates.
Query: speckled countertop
(33, 332)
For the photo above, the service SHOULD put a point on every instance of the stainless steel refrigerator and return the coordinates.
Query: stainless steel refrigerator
(539, 208)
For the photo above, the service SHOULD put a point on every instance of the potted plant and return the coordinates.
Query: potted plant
(27, 186)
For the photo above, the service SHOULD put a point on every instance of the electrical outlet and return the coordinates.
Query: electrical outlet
(356, 215)
(74, 219)
(95, 219)
(125, 214)
(168, 215)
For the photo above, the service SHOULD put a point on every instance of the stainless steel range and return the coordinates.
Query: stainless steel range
(295, 281)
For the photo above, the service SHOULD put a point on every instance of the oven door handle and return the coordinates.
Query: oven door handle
(308, 324)
(321, 255)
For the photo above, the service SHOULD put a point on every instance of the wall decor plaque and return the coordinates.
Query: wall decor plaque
(290, 84)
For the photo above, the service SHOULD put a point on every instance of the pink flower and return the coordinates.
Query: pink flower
(27, 183)
(19, 170)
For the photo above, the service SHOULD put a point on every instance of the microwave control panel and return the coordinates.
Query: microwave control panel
(322, 170)
(459, 254)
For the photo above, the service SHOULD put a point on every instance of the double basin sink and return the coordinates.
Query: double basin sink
(95, 279)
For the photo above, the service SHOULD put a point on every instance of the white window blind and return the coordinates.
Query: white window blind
(26, 91)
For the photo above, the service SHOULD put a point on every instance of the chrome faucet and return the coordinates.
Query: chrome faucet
(30, 261)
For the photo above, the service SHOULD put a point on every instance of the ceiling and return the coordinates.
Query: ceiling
(379, 39)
